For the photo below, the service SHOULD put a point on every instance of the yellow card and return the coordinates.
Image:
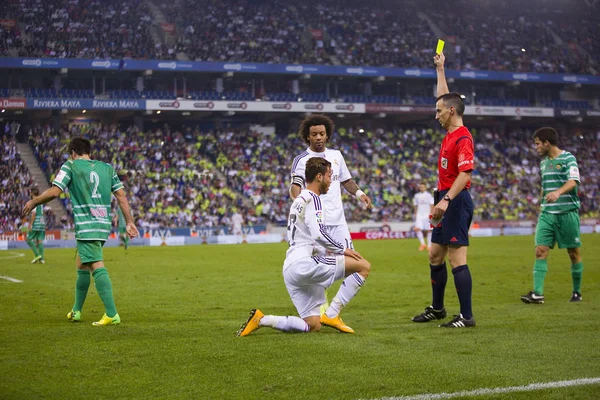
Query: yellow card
(440, 46)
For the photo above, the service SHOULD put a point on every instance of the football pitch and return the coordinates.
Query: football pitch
(181, 306)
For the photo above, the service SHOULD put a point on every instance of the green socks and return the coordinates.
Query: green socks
(104, 288)
(81, 288)
(576, 273)
(126, 241)
(540, 268)
(33, 246)
(41, 249)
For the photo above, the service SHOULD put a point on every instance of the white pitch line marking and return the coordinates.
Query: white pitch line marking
(8, 278)
(488, 391)
(13, 255)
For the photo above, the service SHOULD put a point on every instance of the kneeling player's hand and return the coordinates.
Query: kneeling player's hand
(132, 230)
(353, 254)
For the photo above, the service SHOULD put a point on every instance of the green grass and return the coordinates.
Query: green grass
(181, 307)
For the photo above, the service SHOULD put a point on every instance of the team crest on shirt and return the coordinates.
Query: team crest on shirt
(335, 161)
(444, 163)
(319, 215)
(558, 167)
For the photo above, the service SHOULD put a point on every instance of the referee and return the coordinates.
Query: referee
(453, 206)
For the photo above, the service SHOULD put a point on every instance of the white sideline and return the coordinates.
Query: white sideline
(487, 391)
(8, 278)
(14, 255)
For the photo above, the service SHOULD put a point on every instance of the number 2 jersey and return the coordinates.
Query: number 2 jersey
(306, 228)
(91, 184)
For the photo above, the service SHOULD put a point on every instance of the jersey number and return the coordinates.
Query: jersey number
(95, 180)
(292, 221)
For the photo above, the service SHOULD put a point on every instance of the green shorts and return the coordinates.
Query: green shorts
(36, 235)
(561, 228)
(90, 250)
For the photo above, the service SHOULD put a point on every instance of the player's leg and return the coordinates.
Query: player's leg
(421, 238)
(82, 284)
(545, 238)
(457, 221)
(457, 255)
(428, 232)
(438, 276)
(91, 256)
(341, 234)
(306, 294)
(356, 273)
(40, 245)
(31, 242)
(568, 236)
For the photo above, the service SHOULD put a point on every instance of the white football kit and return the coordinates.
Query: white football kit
(332, 200)
(306, 276)
(237, 220)
(423, 201)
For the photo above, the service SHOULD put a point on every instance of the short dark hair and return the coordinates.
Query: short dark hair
(547, 134)
(315, 166)
(80, 146)
(315, 120)
(35, 191)
(453, 99)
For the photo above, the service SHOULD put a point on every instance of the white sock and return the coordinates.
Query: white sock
(347, 291)
(285, 324)
(429, 238)
(420, 237)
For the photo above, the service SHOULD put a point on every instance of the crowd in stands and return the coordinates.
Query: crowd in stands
(79, 29)
(15, 185)
(190, 177)
(499, 36)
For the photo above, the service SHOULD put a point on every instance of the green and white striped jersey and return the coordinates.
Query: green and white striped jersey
(39, 223)
(555, 173)
(91, 184)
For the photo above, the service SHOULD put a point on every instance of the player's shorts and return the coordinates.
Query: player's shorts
(423, 224)
(36, 235)
(561, 228)
(90, 250)
(306, 280)
(454, 229)
(341, 234)
(237, 230)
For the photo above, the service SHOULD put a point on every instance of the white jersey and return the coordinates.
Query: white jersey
(332, 200)
(306, 229)
(423, 201)
(237, 220)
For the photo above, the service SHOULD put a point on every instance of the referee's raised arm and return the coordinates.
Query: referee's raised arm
(442, 85)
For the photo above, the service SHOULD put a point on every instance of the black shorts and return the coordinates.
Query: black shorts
(454, 229)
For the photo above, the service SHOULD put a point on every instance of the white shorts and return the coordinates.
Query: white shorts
(341, 234)
(306, 280)
(423, 224)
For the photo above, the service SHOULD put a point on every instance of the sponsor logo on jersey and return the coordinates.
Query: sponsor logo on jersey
(444, 163)
(319, 215)
(98, 212)
(60, 176)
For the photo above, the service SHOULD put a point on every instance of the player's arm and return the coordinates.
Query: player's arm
(354, 190)
(318, 232)
(126, 210)
(32, 220)
(48, 195)
(295, 190)
(442, 85)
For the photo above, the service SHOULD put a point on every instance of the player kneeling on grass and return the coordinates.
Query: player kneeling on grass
(306, 276)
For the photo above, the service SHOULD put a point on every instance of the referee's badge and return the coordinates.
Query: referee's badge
(444, 163)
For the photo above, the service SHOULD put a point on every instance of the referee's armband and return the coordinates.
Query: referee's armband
(298, 180)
